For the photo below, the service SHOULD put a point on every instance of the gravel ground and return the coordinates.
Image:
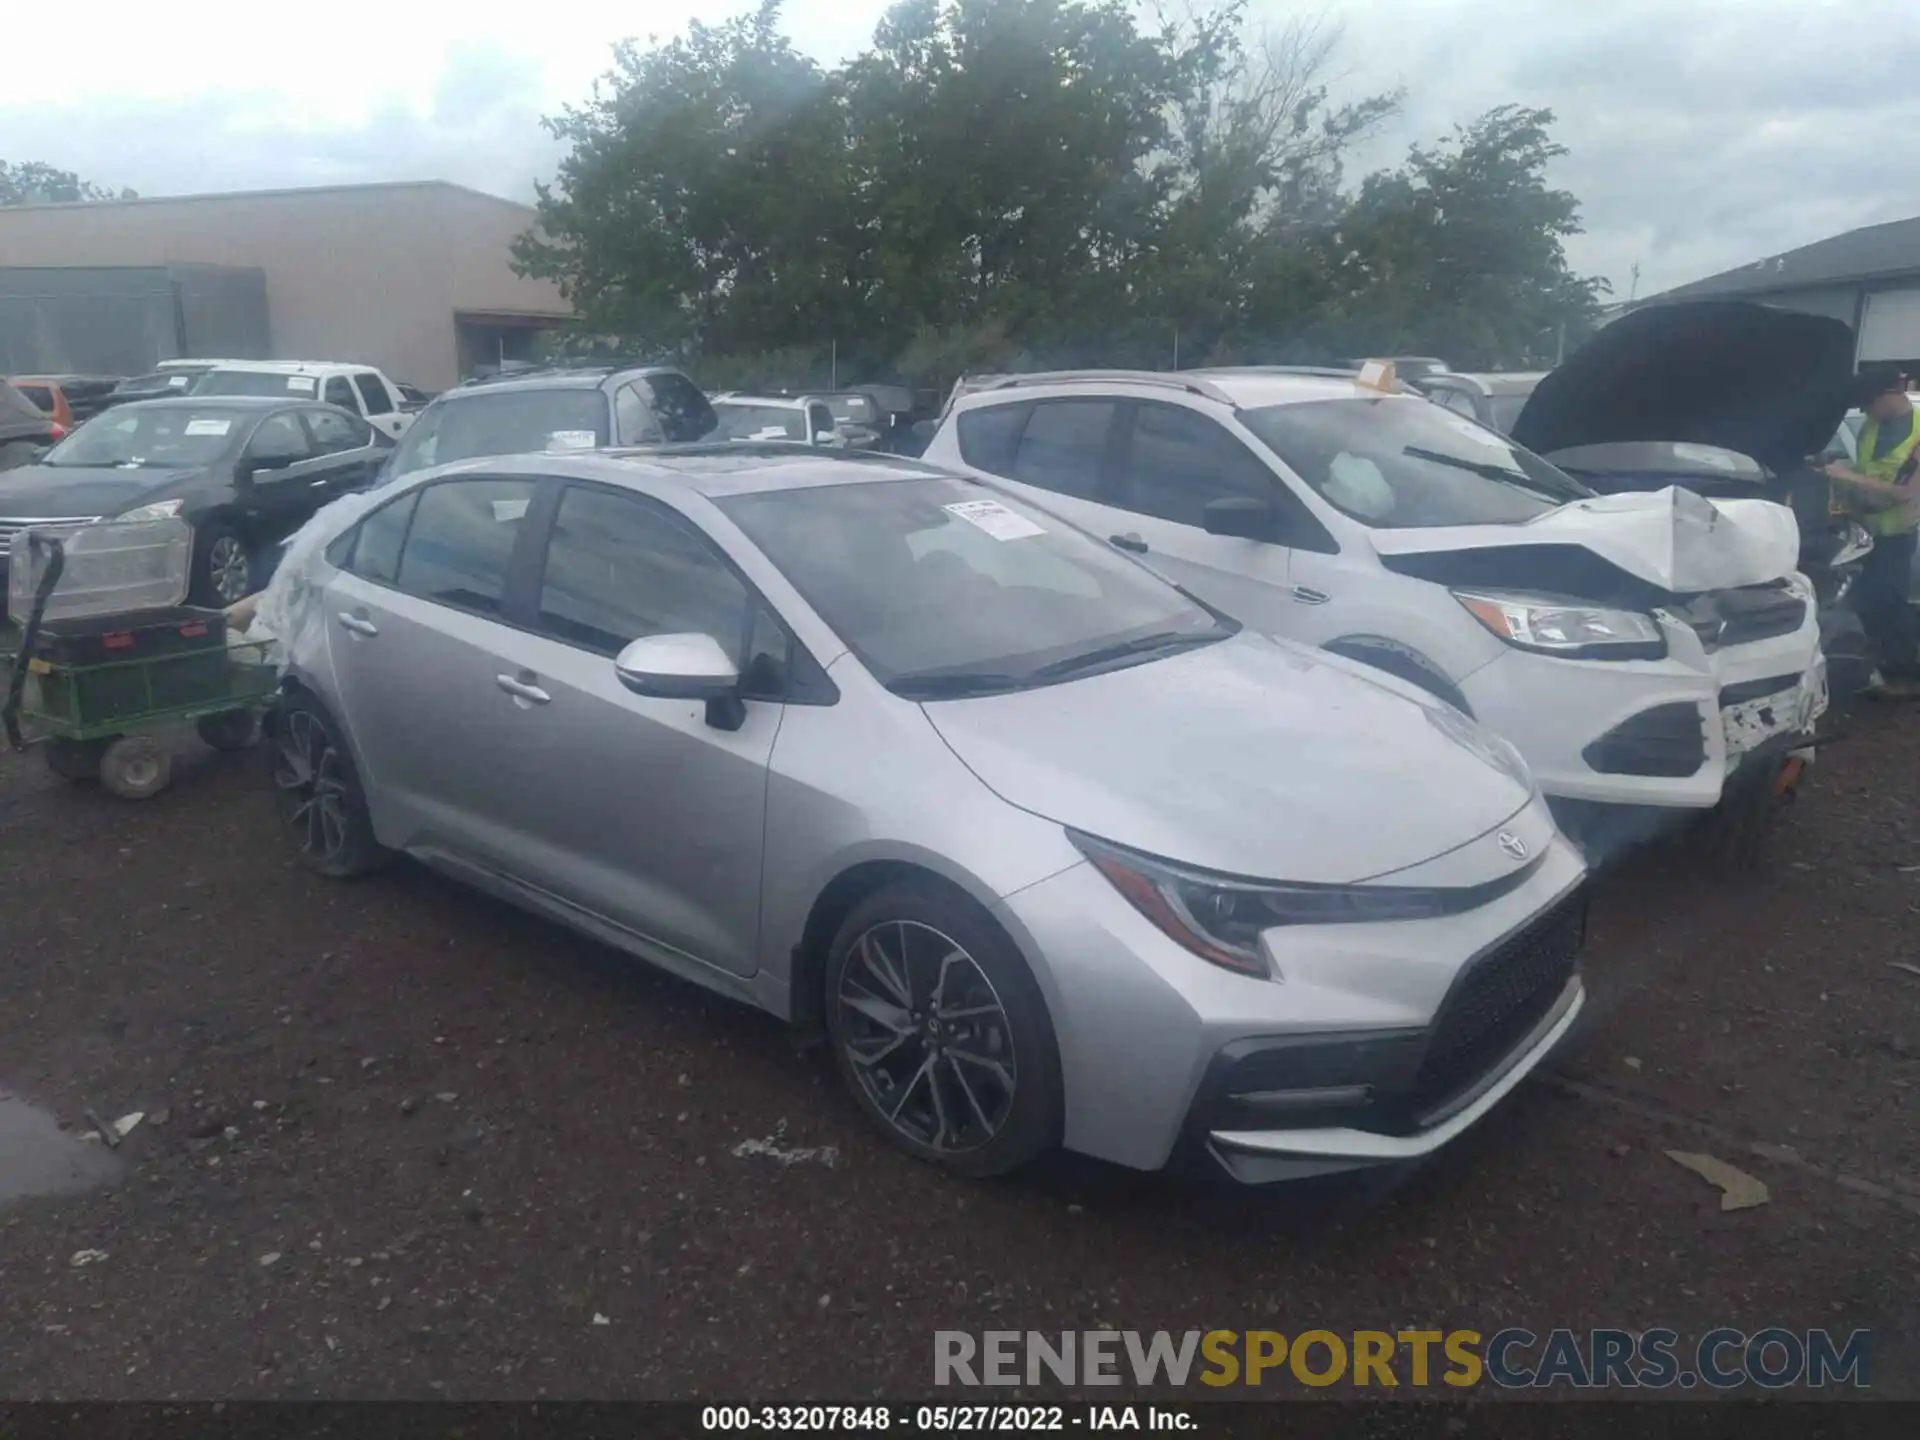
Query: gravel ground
(405, 1142)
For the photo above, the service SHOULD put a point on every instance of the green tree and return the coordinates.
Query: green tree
(1460, 252)
(699, 200)
(33, 182)
(1009, 183)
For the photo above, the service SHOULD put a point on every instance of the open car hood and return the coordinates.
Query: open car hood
(1770, 384)
(1624, 546)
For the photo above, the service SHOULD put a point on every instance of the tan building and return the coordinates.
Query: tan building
(413, 278)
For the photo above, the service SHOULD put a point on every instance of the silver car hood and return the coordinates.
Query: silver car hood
(1252, 757)
(1670, 538)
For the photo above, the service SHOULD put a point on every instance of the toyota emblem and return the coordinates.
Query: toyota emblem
(1515, 847)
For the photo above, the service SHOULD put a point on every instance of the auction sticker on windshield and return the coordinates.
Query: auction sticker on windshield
(301, 384)
(994, 518)
(571, 440)
(208, 427)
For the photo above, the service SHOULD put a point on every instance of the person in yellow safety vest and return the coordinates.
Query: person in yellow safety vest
(1880, 491)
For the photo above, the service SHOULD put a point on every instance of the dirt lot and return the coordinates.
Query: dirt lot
(469, 1138)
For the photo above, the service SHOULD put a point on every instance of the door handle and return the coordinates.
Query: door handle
(1128, 541)
(359, 624)
(522, 690)
(1307, 595)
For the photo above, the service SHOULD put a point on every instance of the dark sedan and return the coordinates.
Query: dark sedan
(244, 472)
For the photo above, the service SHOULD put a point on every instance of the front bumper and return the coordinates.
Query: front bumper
(1384, 1040)
(1663, 733)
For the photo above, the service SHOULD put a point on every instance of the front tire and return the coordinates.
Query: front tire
(222, 566)
(317, 793)
(941, 1033)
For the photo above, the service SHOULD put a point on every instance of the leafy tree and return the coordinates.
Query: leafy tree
(996, 184)
(1461, 252)
(32, 182)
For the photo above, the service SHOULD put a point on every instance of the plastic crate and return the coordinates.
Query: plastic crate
(111, 567)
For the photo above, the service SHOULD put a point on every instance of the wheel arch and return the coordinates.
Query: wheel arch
(849, 886)
(1403, 662)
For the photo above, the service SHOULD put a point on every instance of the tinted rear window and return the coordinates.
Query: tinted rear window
(513, 422)
(988, 437)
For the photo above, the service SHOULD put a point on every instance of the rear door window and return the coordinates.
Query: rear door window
(280, 439)
(339, 392)
(990, 436)
(373, 393)
(460, 545)
(333, 432)
(374, 551)
(680, 407)
(1064, 446)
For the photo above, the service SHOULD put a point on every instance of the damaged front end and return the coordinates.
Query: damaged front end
(1712, 671)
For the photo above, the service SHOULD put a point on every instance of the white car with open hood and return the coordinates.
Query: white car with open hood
(1638, 649)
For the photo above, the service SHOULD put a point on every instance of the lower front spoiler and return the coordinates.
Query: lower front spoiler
(1262, 1156)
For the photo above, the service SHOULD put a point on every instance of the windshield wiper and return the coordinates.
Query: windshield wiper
(1492, 472)
(953, 685)
(1161, 643)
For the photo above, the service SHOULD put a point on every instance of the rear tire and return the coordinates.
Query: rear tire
(940, 1031)
(318, 794)
(77, 760)
(135, 767)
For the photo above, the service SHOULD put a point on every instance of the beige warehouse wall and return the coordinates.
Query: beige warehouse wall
(369, 273)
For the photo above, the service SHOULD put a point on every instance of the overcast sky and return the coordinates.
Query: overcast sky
(1703, 133)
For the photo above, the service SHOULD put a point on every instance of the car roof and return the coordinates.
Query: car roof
(218, 402)
(1250, 387)
(290, 367)
(720, 469)
(785, 402)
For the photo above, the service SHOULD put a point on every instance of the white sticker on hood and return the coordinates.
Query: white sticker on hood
(571, 440)
(208, 427)
(509, 510)
(302, 384)
(994, 518)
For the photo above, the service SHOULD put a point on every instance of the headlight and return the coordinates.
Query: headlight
(1219, 917)
(1549, 625)
(158, 510)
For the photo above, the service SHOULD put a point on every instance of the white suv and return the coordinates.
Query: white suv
(1635, 648)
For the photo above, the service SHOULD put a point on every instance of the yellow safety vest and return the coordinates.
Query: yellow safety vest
(1896, 519)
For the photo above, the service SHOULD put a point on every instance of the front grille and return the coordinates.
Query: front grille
(1668, 741)
(1497, 1000)
(1739, 617)
(11, 526)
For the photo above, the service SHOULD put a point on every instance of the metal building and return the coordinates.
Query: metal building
(1869, 278)
(413, 278)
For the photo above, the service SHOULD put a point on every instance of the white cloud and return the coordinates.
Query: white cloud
(1703, 134)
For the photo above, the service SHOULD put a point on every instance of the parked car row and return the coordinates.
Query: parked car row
(1198, 767)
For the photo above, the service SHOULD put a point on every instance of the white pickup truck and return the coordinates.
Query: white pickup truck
(360, 389)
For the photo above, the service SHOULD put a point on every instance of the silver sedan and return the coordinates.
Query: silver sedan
(1051, 852)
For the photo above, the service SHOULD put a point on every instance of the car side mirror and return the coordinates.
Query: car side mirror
(684, 667)
(1242, 518)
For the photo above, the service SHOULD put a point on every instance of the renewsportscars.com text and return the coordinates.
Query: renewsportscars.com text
(1513, 1358)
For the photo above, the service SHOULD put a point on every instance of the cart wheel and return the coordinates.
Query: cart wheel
(229, 730)
(135, 767)
(74, 759)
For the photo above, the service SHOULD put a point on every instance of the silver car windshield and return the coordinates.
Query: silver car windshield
(1395, 463)
(945, 590)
